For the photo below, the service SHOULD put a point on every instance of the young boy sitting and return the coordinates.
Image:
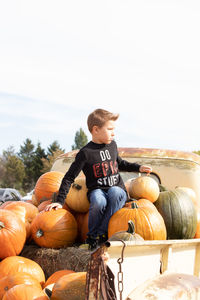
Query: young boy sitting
(100, 162)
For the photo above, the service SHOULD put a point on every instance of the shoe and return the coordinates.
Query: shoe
(102, 239)
(92, 243)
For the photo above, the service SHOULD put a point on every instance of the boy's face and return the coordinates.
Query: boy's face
(104, 134)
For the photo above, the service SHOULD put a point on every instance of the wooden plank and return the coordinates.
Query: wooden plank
(144, 260)
(197, 261)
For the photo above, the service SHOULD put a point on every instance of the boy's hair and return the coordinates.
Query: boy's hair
(99, 117)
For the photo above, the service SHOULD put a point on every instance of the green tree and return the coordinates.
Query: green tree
(32, 158)
(39, 155)
(2, 170)
(26, 154)
(80, 139)
(13, 170)
(53, 148)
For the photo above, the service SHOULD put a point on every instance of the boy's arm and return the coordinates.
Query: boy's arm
(145, 169)
(69, 177)
(67, 180)
(124, 165)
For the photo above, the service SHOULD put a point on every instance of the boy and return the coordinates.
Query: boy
(101, 164)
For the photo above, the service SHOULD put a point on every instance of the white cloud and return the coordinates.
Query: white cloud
(4, 125)
(65, 58)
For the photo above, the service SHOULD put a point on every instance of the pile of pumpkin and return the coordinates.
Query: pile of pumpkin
(158, 213)
(154, 215)
(22, 278)
(22, 223)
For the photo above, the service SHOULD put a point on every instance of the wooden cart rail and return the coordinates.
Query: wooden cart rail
(147, 259)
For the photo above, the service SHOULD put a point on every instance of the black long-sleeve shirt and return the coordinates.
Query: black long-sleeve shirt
(100, 164)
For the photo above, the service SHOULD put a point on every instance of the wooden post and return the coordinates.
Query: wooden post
(165, 257)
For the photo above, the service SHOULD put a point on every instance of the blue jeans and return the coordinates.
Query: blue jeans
(103, 204)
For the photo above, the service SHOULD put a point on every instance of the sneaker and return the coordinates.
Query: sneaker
(92, 243)
(102, 239)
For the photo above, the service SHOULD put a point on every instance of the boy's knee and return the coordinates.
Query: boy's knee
(98, 203)
(116, 193)
(97, 200)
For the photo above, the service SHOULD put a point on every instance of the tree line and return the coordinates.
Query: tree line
(21, 170)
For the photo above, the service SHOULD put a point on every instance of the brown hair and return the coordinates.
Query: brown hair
(99, 117)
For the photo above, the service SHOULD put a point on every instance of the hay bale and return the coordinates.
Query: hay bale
(52, 260)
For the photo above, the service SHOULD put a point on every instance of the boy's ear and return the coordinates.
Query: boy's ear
(95, 129)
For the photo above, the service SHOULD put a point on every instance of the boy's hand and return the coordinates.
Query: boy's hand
(53, 206)
(145, 169)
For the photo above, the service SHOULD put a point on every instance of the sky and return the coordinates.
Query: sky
(60, 60)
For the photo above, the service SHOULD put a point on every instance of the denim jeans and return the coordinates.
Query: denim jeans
(103, 204)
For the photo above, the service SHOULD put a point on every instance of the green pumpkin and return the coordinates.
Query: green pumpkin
(128, 235)
(179, 214)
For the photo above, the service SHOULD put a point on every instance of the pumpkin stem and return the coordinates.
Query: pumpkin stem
(131, 199)
(131, 227)
(134, 205)
(39, 233)
(2, 225)
(77, 186)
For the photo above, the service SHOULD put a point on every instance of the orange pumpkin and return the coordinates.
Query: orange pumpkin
(197, 234)
(12, 234)
(141, 203)
(54, 228)
(47, 184)
(144, 187)
(34, 200)
(148, 222)
(57, 275)
(65, 206)
(25, 292)
(15, 264)
(77, 197)
(71, 286)
(43, 205)
(5, 204)
(20, 211)
(9, 281)
(25, 211)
